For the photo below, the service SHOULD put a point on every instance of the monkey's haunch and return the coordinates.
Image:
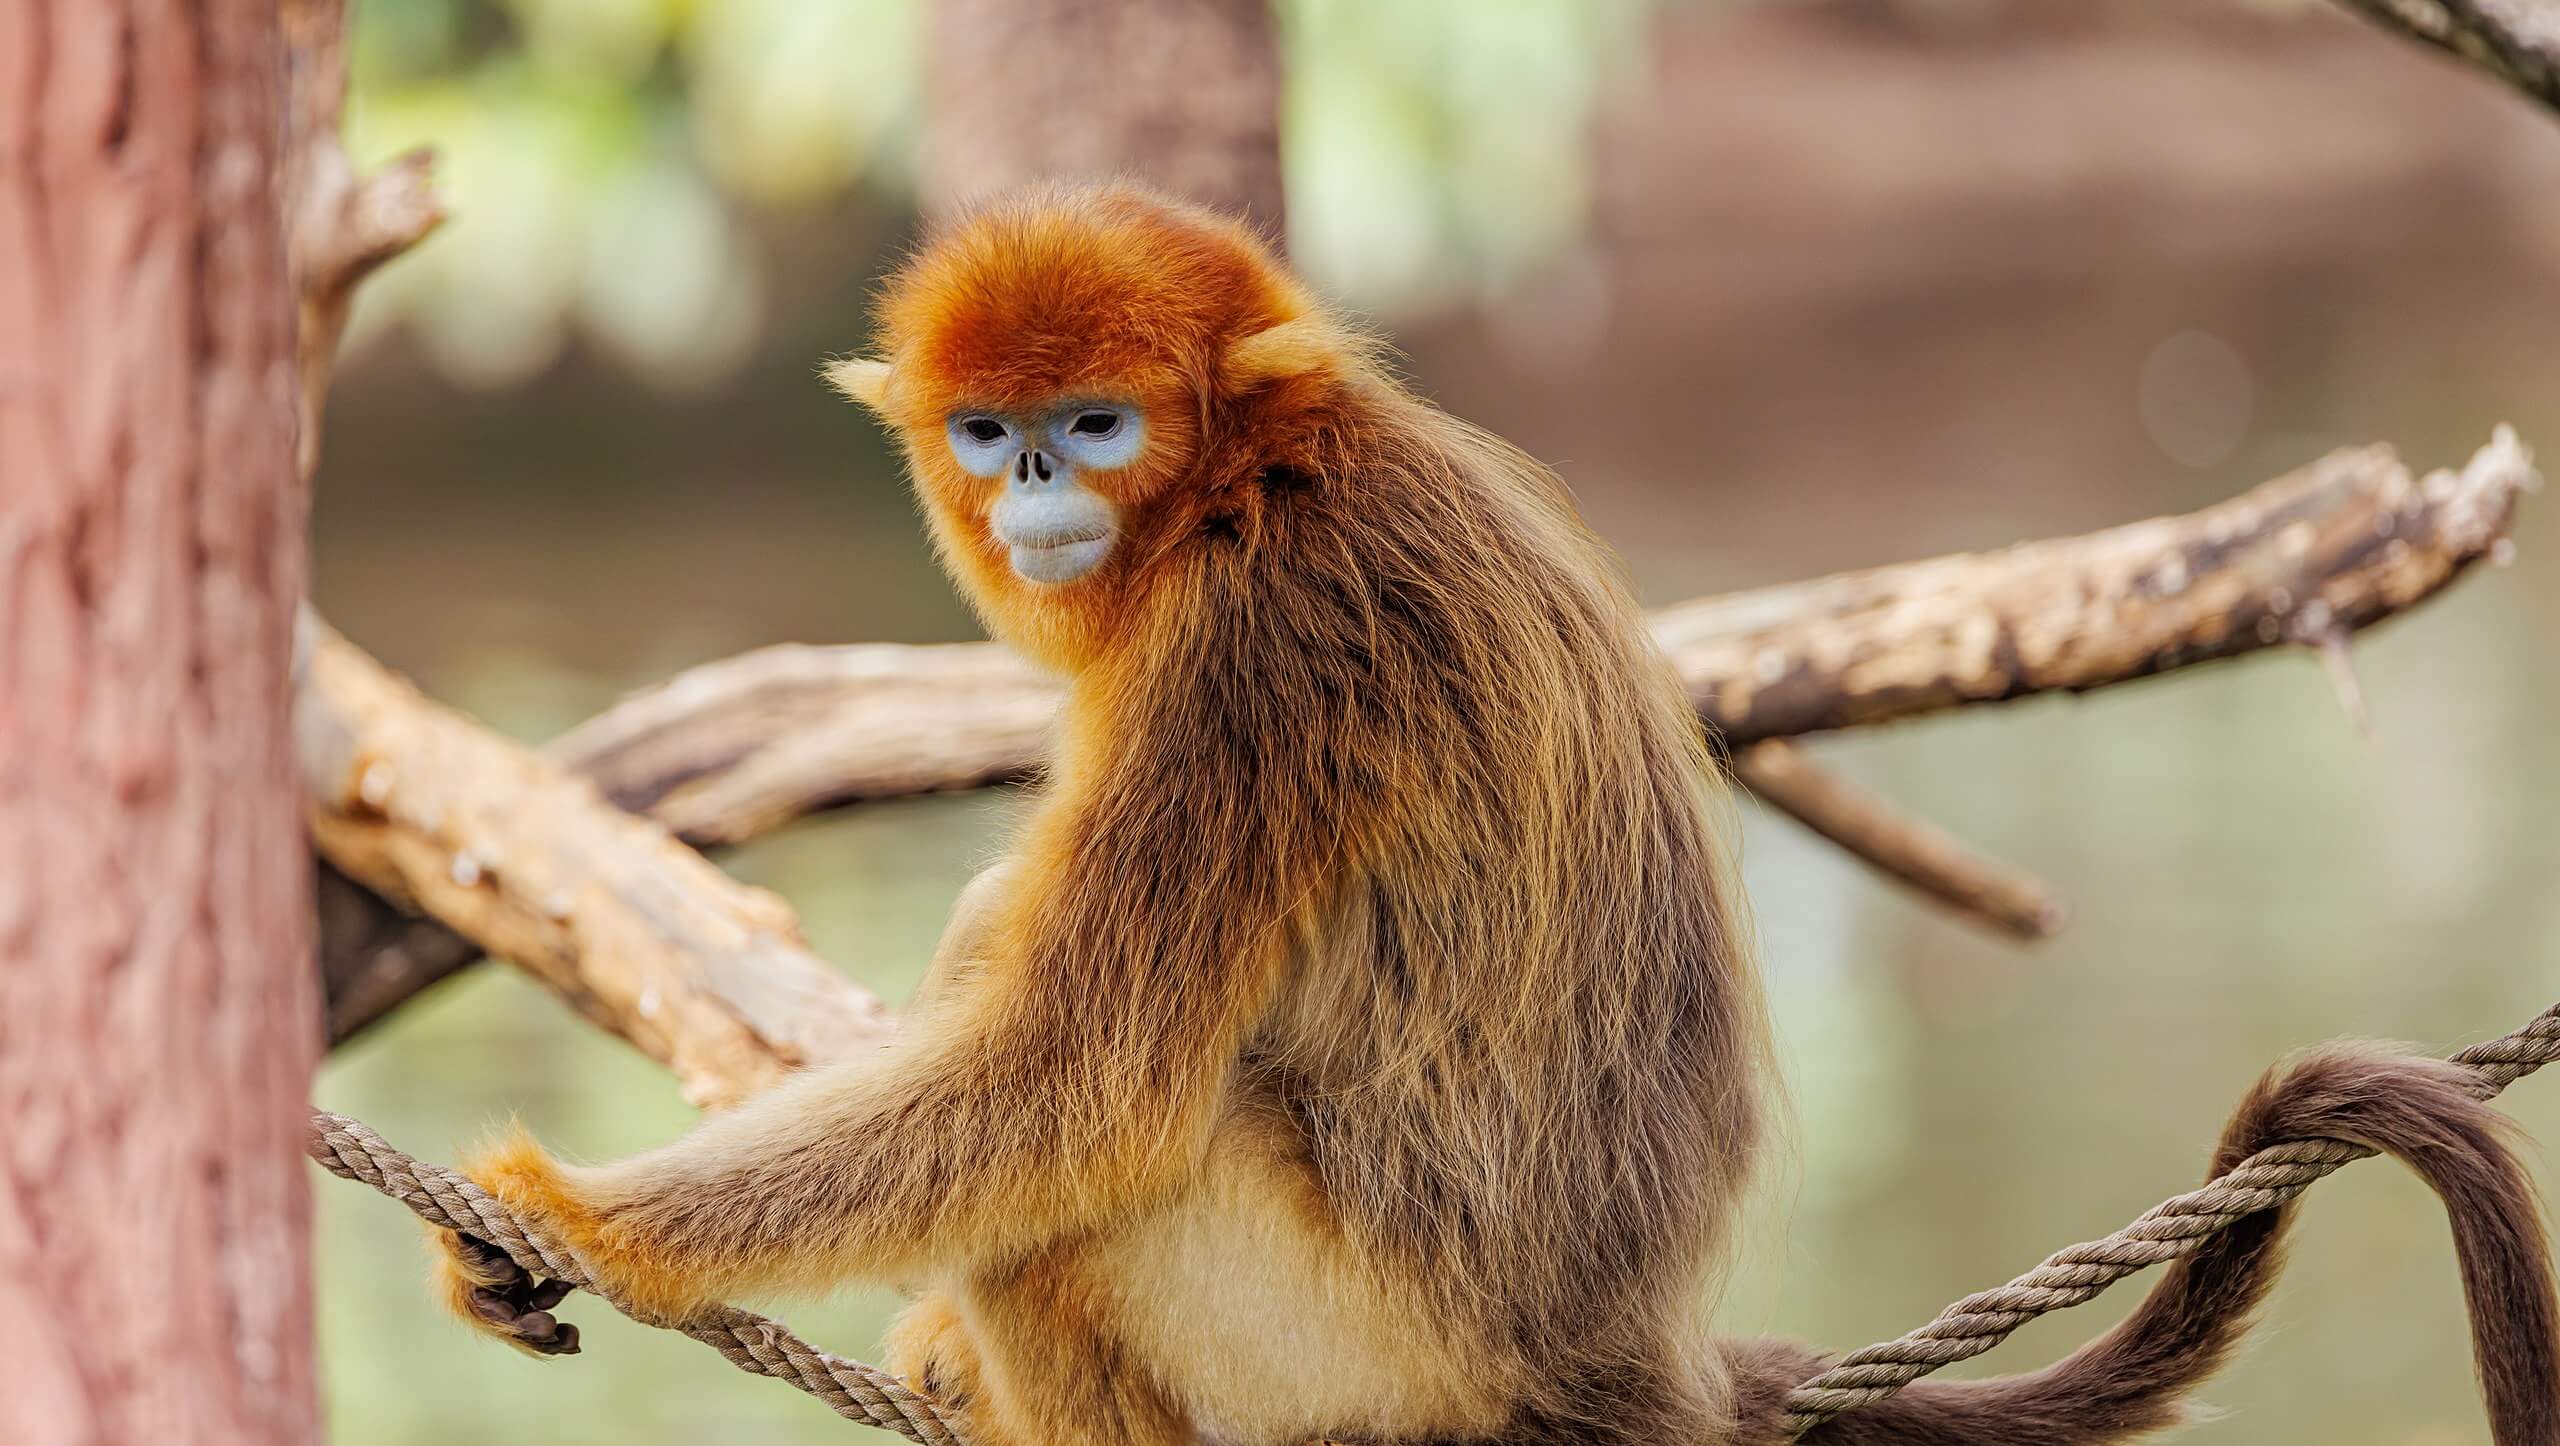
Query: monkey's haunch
(2269, 1178)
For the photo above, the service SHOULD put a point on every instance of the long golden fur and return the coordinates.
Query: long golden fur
(1361, 1039)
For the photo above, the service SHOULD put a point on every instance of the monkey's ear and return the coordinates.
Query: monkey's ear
(1294, 348)
(861, 378)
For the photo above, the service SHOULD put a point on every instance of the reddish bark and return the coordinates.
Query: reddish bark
(156, 998)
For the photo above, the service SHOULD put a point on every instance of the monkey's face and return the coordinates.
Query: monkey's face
(1054, 526)
(1049, 505)
(1045, 492)
(1050, 366)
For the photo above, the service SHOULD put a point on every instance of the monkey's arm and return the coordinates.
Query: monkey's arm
(1073, 1064)
(1079, 1061)
(1016, 1119)
(482, 1286)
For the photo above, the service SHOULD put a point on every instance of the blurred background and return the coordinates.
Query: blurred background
(1903, 276)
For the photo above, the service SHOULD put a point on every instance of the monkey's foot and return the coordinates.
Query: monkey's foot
(502, 1298)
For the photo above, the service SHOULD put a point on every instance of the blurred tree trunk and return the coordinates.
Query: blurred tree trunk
(1184, 93)
(156, 993)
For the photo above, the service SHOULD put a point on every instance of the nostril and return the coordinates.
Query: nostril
(1040, 464)
(1021, 466)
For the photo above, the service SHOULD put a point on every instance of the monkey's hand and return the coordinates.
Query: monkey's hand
(498, 1297)
(479, 1283)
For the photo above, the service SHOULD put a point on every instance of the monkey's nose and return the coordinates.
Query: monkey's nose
(1030, 462)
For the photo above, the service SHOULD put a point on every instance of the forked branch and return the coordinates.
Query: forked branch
(341, 226)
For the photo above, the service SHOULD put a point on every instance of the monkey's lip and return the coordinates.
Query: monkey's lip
(1052, 541)
(1059, 558)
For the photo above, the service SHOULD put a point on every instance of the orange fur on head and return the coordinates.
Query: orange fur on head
(1107, 295)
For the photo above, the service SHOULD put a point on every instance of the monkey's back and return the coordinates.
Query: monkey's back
(1522, 1039)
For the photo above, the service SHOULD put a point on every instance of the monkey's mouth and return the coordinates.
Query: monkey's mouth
(1054, 559)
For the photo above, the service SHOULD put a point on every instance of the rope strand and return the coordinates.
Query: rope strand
(2174, 1228)
(350, 1150)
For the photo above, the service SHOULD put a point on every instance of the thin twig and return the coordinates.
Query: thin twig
(340, 226)
(1910, 849)
(2338, 660)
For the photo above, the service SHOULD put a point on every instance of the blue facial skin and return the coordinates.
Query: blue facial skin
(1056, 528)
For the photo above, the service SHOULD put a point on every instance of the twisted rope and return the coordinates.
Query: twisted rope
(866, 1394)
(759, 1346)
(2167, 1231)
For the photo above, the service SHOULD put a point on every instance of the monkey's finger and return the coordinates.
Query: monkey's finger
(485, 1264)
(493, 1310)
(535, 1332)
(547, 1294)
(544, 1334)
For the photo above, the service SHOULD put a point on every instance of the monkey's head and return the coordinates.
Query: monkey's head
(1067, 370)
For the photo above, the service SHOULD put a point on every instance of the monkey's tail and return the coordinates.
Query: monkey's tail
(2132, 1380)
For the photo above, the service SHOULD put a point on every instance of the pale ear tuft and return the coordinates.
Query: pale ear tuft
(1294, 348)
(861, 378)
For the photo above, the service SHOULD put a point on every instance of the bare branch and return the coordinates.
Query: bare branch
(2517, 41)
(857, 723)
(734, 749)
(340, 226)
(651, 940)
(1917, 852)
(2348, 542)
(375, 958)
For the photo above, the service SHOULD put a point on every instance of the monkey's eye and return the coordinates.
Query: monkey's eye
(983, 429)
(1095, 423)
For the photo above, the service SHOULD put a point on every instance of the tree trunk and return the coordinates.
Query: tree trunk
(156, 997)
(1182, 93)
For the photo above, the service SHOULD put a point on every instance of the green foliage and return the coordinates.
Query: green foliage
(1435, 152)
(608, 162)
